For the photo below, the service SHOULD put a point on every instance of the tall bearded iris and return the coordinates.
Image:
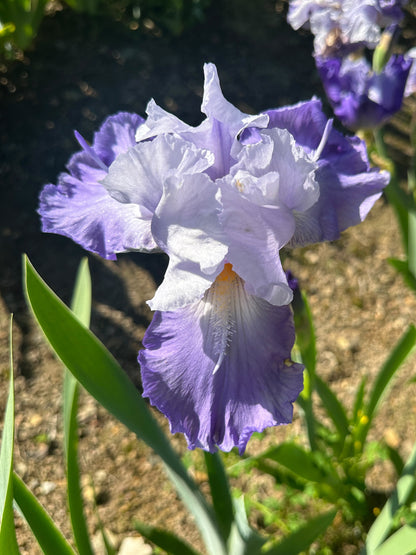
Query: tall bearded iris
(361, 97)
(222, 199)
(342, 26)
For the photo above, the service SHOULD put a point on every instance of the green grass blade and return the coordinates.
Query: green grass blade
(383, 524)
(96, 369)
(303, 537)
(333, 407)
(49, 537)
(8, 542)
(402, 349)
(220, 492)
(81, 306)
(165, 540)
(401, 542)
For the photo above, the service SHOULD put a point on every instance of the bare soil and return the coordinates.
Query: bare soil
(78, 71)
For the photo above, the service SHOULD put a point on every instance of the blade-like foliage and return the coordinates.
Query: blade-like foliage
(305, 352)
(8, 543)
(165, 540)
(401, 542)
(81, 306)
(44, 529)
(220, 492)
(402, 267)
(243, 539)
(333, 407)
(403, 348)
(400, 496)
(95, 368)
(299, 461)
(302, 538)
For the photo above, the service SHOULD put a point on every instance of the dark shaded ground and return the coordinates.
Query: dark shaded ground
(79, 71)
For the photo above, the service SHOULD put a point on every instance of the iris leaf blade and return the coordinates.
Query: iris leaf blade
(303, 537)
(243, 539)
(400, 496)
(220, 492)
(333, 407)
(165, 540)
(8, 542)
(403, 268)
(402, 349)
(81, 306)
(299, 461)
(96, 369)
(401, 542)
(49, 537)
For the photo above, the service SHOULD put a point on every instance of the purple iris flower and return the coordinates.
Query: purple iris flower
(221, 199)
(360, 97)
(79, 207)
(342, 26)
(411, 80)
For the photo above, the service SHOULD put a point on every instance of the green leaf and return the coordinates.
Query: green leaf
(306, 406)
(303, 463)
(400, 496)
(82, 297)
(305, 332)
(8, 542)
(45, 531)
(302, 538)
(333, 407)
(220, 492)
(164, 539)
(81, 306)
(306, 345)
(411, 253)
(401, 542)
(358, 406)
(402, 204)
(402, 349)
(396, 459)
(402, 267)
(243, 539)
(95, 368)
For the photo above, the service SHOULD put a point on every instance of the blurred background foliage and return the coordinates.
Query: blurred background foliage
(20, 20)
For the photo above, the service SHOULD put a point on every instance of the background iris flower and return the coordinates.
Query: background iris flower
(361, 97)
(342, 26)
(222, 199)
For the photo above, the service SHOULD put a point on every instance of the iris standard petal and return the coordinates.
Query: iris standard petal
(220, 368)
(116, 135)
(348, 186)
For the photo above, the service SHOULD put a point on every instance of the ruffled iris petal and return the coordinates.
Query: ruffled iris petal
(255, 235)
(116, 135)
(85, 213)
(186, 227)
(220, 368)
(79, 207)
(348, 187)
